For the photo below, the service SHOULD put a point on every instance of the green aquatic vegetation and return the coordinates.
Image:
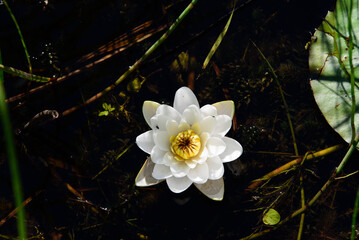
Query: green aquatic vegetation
(334, 61)
(20, 35)
(271, 217)
(217, 42)
(244, 84)
(12, 158)
(264, 129)
(25, 75)
(107, 109)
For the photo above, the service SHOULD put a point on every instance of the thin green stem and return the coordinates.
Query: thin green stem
(355, 213)
(293, 136)
(109, 164)
(283, 99)
(20, 34)
(302, 216)
(11, 154)
(348, 154)
(138, 62)
(352, 76)
(24, 75)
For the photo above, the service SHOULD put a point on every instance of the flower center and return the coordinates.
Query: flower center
(185, 145)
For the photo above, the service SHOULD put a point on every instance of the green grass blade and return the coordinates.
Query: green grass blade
(283, 98)
(20, 34)
(217, 42)
(11, 154)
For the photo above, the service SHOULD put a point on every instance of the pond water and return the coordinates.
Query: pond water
(79, 168)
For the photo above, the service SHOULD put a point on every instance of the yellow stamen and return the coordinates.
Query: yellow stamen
(185, 145)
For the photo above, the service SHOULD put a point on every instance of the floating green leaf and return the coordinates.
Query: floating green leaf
(271, 217)
(329, 62)
(107, 109)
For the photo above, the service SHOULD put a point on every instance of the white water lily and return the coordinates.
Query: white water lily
(187, 144)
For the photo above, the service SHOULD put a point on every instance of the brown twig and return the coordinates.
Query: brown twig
(13, 212)
(287, 166)
(138, 63)
(103, 49)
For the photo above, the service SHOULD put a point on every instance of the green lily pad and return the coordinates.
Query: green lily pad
(271, 217)
(329, 66)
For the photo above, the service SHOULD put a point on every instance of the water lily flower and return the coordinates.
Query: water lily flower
(187, 144)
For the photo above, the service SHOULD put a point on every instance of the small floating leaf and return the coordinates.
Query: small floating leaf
(271, 217)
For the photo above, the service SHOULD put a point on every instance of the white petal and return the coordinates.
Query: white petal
(144, 177)
(190, 163)
(169, 159)
(192, 115)
(215, 146)
(233, 150)
(223, 125)
(162, 140)
(157, 155)
(162, 122)
(178, 185)
(161, 171)
(199, 174)
(149, 110)
(204, 138)
(225, 108)
(172, 128)
(169, 112)
(184, 97)
(154, 122)
(183, 126)
(208, 124)
(196, 128)
(209, 110)
(215, 167)
(201, 157)
(145, 141)
(179, 169)
(214, 189)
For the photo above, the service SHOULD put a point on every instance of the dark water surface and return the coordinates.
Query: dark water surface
(70, 167)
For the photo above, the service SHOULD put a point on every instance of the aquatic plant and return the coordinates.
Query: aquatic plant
(187, 144)
(333, 61)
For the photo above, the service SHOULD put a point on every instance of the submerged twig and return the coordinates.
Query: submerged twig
(331, 179)
(138, 62)
(13, 212)
(138, 38)
(286, 166)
